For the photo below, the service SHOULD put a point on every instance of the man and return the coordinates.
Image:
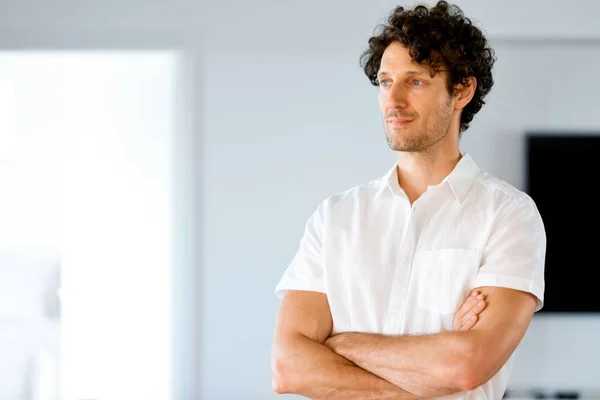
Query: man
(372, 300)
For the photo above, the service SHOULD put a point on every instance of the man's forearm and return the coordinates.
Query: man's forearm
(310, 369)
(428, 365)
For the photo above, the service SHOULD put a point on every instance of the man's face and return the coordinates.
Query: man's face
(416, 108)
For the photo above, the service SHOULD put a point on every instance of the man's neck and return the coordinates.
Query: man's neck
(417, 171)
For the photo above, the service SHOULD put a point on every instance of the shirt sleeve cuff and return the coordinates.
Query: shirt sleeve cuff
(292, 284)
(512, 282)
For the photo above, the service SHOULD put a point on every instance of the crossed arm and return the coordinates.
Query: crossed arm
(307, 361)
(302, 365)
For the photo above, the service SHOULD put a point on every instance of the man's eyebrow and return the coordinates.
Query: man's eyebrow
(382, 74)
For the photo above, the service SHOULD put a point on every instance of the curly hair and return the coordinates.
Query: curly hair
(443, 38)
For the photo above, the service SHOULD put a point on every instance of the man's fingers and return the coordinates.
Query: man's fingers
(469, 323)
(464, 317)
(471, 302)
(463, 310)
(476, 310)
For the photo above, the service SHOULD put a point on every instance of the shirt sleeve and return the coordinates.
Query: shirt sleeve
(305, 272)
(514, 256)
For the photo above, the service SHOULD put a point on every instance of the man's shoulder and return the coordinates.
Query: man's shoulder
(357, 194)
(504, 198)
(499, 187)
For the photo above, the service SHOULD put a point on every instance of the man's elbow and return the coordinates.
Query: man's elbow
(453, 377)
(469, 381)
(289, 363)
(456, 378)
(473, 371)
(472, 378)
(281, 373)
(280, 376)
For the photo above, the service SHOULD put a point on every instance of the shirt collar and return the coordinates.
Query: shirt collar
(460, 179)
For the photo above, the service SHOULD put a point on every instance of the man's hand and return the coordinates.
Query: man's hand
(467, 315)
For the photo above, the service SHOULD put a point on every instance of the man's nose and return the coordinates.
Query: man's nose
(397, 97)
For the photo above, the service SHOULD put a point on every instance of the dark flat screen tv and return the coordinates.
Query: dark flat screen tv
(562, 172)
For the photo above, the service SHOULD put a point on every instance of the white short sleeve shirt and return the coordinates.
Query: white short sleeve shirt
(391, 268)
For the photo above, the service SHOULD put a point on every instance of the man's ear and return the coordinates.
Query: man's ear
(464, 93)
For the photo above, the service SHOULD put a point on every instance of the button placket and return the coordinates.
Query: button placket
(395, 314)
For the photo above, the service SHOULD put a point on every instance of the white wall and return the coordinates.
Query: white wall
(281, 120)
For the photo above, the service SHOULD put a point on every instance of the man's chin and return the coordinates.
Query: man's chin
(406, 147)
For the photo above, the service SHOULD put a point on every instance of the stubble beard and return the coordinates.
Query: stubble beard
(401, 139)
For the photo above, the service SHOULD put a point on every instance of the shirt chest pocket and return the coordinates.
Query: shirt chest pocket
(445, 278)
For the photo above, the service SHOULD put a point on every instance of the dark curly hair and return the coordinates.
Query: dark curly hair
(442, 38)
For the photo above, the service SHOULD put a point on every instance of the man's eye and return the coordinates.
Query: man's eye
(385, 83)
(417, 82)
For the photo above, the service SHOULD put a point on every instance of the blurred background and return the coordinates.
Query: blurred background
(158, 162)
